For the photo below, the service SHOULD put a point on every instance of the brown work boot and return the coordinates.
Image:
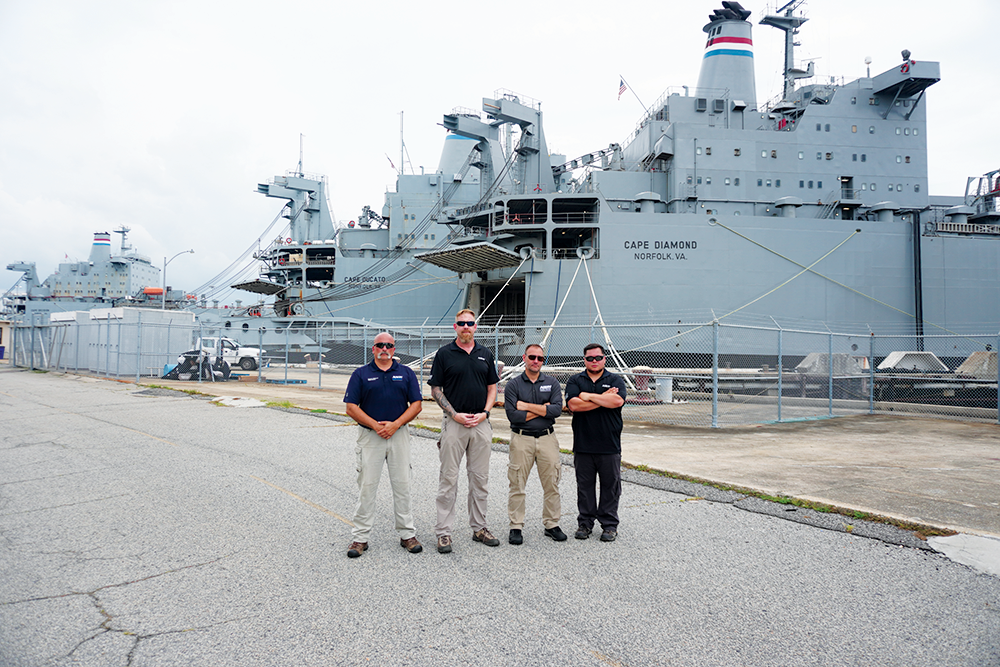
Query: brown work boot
(411, 545)
(356, 549)
(486, 537)
(444, 544)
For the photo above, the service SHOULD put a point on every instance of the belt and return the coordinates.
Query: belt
(533, 434)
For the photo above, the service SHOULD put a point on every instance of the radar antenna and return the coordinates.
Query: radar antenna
(123, 230)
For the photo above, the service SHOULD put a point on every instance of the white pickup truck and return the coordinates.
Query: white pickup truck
(247, 358)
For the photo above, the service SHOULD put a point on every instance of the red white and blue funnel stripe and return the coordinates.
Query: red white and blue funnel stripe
(102, 238)
(729, 46)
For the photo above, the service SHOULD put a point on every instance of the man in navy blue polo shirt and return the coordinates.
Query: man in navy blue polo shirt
(464, 383)
(595, 397)
(383, 397)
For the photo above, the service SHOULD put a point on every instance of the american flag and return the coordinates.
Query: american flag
(621, 89)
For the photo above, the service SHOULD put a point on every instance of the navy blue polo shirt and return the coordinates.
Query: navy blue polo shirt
(596, 431)
(383, 395)
(464, 376)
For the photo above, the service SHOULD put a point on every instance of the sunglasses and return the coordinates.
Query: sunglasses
(385, 346)
(536, 357)
(460, 323)
(596, 357)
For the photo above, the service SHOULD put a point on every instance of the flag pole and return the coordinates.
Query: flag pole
(629, 86)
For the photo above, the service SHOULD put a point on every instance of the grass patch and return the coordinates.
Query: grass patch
(322, 410)
(920, 530)
(279, 404)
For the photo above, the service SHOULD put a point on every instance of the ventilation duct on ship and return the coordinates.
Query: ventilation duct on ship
(885, 210)
(959, 214)
(650, 202)
(787, 206)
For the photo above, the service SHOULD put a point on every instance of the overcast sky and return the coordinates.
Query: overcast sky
(163, 116)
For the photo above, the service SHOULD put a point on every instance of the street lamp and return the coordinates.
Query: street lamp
(163, 302)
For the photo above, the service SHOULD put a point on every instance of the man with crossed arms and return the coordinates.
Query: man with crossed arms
(383, 397)
(532, 401)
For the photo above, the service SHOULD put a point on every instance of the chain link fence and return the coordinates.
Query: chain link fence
(707, 374)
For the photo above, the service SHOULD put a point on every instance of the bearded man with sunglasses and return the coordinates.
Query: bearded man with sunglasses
(595, 397)
(464, 383)
(383, 397)
(532, 401)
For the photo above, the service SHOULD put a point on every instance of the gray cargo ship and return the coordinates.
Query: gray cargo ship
(811, 211)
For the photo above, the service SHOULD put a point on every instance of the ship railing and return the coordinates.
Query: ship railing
(570, 253)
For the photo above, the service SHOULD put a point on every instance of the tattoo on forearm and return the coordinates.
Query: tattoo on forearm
(437, 393)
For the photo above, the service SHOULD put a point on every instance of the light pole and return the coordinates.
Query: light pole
(163, 302)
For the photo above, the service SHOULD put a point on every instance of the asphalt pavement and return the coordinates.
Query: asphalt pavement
(143, 526)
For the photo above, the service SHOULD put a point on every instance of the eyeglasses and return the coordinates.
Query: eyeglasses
(385, 346)
(460, 323)
(536, 357)
(596, 357)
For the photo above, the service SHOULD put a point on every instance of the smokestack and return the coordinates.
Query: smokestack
(727, 65)
(101, 250)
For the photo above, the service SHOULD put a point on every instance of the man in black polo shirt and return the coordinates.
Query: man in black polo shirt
(532, 401)
(595, 397)
(383, 397)
(464, 383)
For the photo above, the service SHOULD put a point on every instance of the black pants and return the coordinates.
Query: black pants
(588, 468)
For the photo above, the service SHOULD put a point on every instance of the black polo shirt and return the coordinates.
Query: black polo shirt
(596, 431)
(544, 390)
(464, 376)
(383, 395)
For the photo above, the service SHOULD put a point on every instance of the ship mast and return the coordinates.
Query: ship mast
(790, 25)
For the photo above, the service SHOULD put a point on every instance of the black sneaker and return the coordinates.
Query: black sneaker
(515, 536)
(556, 534)
(609, 535)
(582, 533)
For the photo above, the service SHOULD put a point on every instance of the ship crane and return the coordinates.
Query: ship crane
(609, 158)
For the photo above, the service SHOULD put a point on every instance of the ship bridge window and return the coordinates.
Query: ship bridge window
(906, 131)
(568, 211)
(916, 188)
(871, 129)
(736, 181)
(819, 185)
(827, 128)
(890, 187)
(864, 157)
(864, 187)
(914, 131)
(819, 127)
(246, 326)
(819, 155)
(801, 155)
(802, 184)
(697, 151)
(763, 153)
(736, 152)
(907, 159)
(873, 187)
(524, 212)
(777, 182)
(769, 182)
(854, 157)
(708, 150)
(899, 130)
(854, 129)
(854, 100)
(810, 185)
(899, 159)
(760, 182)
(727, 181)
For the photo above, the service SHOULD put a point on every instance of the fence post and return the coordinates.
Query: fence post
(780, 332)
(138, 346)
(107, 348)
(715, 373)
(319, 355)
(31, 359)
(201, 334)
(997, 348)
(286, 354)
(422, 357)
(260, 346)
(76, 355)
(118, 356)
(871, 374)
(830, 388)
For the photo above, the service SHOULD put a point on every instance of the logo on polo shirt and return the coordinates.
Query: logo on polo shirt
(606, 385)
(481, 358)
(547, 387)
(372, 379)
(397, 377)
